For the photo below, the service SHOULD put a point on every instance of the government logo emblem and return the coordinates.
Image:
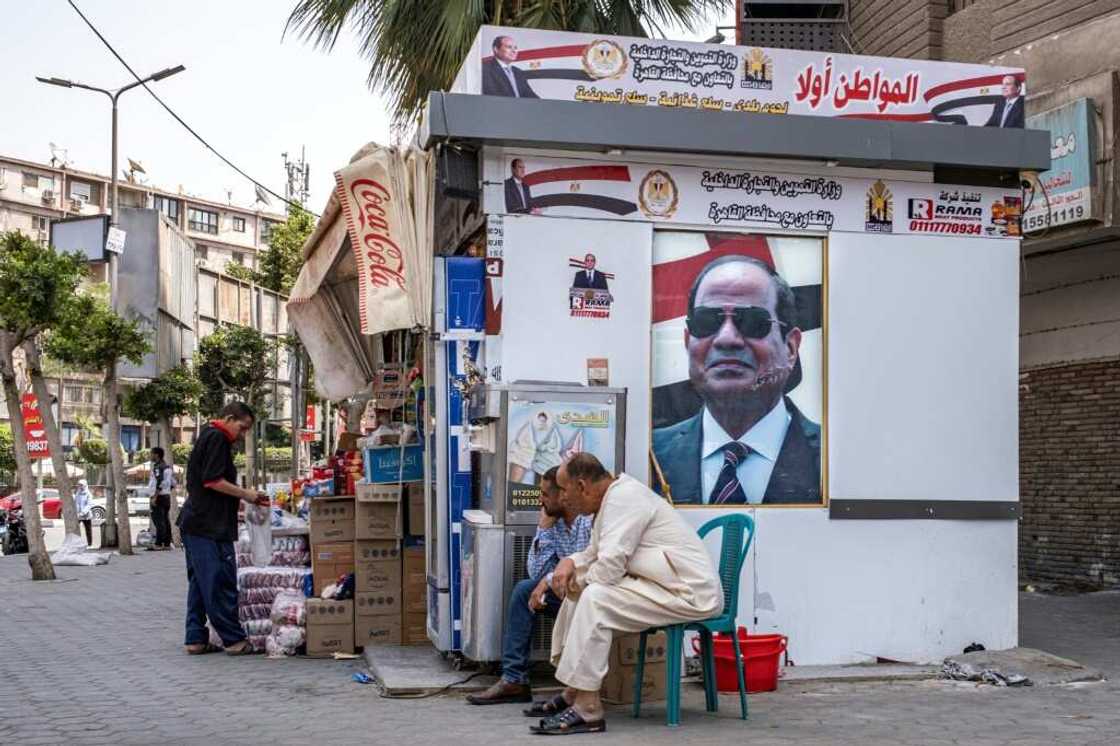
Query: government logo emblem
(758, 71)
(604, 59)
(658, 195)
(880, 209)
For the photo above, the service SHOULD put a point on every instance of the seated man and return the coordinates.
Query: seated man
(560, 532)
(645, 567)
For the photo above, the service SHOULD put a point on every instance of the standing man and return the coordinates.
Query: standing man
(561, 531)
(208, 524)
(645, 567)
(160, 485)
(519, 200)
(1009, 111)
(499, 76)
(749, 443)
(83, 505)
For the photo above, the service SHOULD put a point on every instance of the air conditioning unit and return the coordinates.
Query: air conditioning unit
(43, 236)
(77, 204)
(48, 197)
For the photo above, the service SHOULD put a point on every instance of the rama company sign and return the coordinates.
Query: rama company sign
(1065, 192)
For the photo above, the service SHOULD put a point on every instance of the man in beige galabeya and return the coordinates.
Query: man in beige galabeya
(645, 567)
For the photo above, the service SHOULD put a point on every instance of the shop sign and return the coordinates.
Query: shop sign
(535, 63)
(1065, 192)
(34, 429)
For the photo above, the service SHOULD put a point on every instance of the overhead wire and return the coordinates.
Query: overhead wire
(178, 118)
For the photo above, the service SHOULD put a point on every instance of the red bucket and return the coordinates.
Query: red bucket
(761, 660)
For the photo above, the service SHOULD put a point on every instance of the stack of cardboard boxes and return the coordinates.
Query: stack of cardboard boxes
(365, 535)
(618, 686)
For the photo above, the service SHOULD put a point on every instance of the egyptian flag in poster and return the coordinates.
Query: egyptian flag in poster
(600, 189)
(678, 257)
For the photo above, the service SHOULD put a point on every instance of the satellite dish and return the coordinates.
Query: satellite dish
(135, 166)
(262, 195)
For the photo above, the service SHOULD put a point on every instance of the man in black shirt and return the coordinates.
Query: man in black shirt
(208, 524)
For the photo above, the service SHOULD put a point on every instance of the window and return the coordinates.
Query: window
(238, 258)
(203, 221)
(37, 181)
(266, 229)
(239, 225)
(73, 394)
(130, 438)
(202, 252)
(79, 190)
(168, 206)
(40, 222)
(70, 433)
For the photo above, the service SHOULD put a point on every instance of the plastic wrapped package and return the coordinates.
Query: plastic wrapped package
(247, 612)
(289, 608)
(258, 521)
(288, 621)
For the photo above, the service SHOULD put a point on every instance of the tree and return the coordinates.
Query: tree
(7, 451)
(281, 260)
(171, 394)
(34, 358)
(92, 336)
(235, 362)
(35, 283)
(414, 48)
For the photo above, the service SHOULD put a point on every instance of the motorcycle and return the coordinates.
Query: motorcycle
(13, 533)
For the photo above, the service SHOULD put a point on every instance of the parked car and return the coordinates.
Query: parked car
(50, 504)
(139, 499)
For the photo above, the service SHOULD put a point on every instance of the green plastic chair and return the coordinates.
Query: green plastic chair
(738, 532)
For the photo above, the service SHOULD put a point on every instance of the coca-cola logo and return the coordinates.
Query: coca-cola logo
(384, 256)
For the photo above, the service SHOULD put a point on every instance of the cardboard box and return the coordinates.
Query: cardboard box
(415, 508)
(332, 519)
(624, 649)
(377, 567)
(378, 493)
(330, 627)
(377, 630)
(414, 627)
(414, 582)
(329, 561)
(618, 686)
(377, 520)
(383, 603)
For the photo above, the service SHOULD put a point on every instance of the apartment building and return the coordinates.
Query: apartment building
(33, 194)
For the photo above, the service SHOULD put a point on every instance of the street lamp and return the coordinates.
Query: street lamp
(113, 96)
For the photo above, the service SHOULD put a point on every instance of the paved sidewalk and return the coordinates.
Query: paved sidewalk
(95, 658)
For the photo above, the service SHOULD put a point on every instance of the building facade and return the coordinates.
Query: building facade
(1070, 274)
(33, 195)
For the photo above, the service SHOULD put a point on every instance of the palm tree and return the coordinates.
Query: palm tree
(417, 46)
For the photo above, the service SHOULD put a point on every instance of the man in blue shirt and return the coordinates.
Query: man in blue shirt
(560, 532)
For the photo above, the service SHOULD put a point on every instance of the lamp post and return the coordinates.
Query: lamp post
(113, 97)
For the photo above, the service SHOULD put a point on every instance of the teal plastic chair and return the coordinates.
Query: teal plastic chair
(738, 532)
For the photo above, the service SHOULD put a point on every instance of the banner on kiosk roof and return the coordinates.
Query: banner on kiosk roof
(533, 63)
(734, 198)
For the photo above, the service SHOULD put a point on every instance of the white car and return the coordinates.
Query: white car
(139, 499)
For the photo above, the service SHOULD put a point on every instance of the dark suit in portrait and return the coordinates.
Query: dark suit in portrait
(495, 81)
(1016, 118)
(582, 281)
(796, 477)
(518, 197)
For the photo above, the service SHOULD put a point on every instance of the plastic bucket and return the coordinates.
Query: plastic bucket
(761, 660)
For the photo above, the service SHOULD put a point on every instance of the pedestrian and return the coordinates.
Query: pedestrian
(160, 485)
(83, 504)
(208, 525)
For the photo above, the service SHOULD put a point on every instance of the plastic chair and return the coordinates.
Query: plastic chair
(738, 532)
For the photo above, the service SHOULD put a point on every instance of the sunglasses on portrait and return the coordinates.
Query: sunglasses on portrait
(752, 322)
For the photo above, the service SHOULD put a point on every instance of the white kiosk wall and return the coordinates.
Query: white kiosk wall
(922, 404)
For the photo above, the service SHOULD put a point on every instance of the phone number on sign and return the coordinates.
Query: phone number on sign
(1057, 217)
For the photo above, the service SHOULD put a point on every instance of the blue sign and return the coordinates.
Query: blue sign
(1066, 193)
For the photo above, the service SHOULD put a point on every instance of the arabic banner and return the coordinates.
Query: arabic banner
(34, 429)
(736, 198)
(542, 435)
(532, 63)
(1064, 194)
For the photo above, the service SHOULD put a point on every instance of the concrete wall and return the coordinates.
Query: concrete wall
(898, 28)
(989, 28)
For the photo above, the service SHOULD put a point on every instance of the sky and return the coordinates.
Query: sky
(251, 93)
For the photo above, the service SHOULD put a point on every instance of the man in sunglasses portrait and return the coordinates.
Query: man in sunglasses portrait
(749, 444)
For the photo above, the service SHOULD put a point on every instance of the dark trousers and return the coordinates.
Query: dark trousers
(87, 524)
(161, 510)
(518, 635)
(211, 590)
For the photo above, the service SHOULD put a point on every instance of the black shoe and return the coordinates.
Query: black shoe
(502, 693)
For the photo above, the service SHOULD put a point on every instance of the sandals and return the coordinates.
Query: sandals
(245, 649)
(202, 648)
(547, 707)
(568, 722)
